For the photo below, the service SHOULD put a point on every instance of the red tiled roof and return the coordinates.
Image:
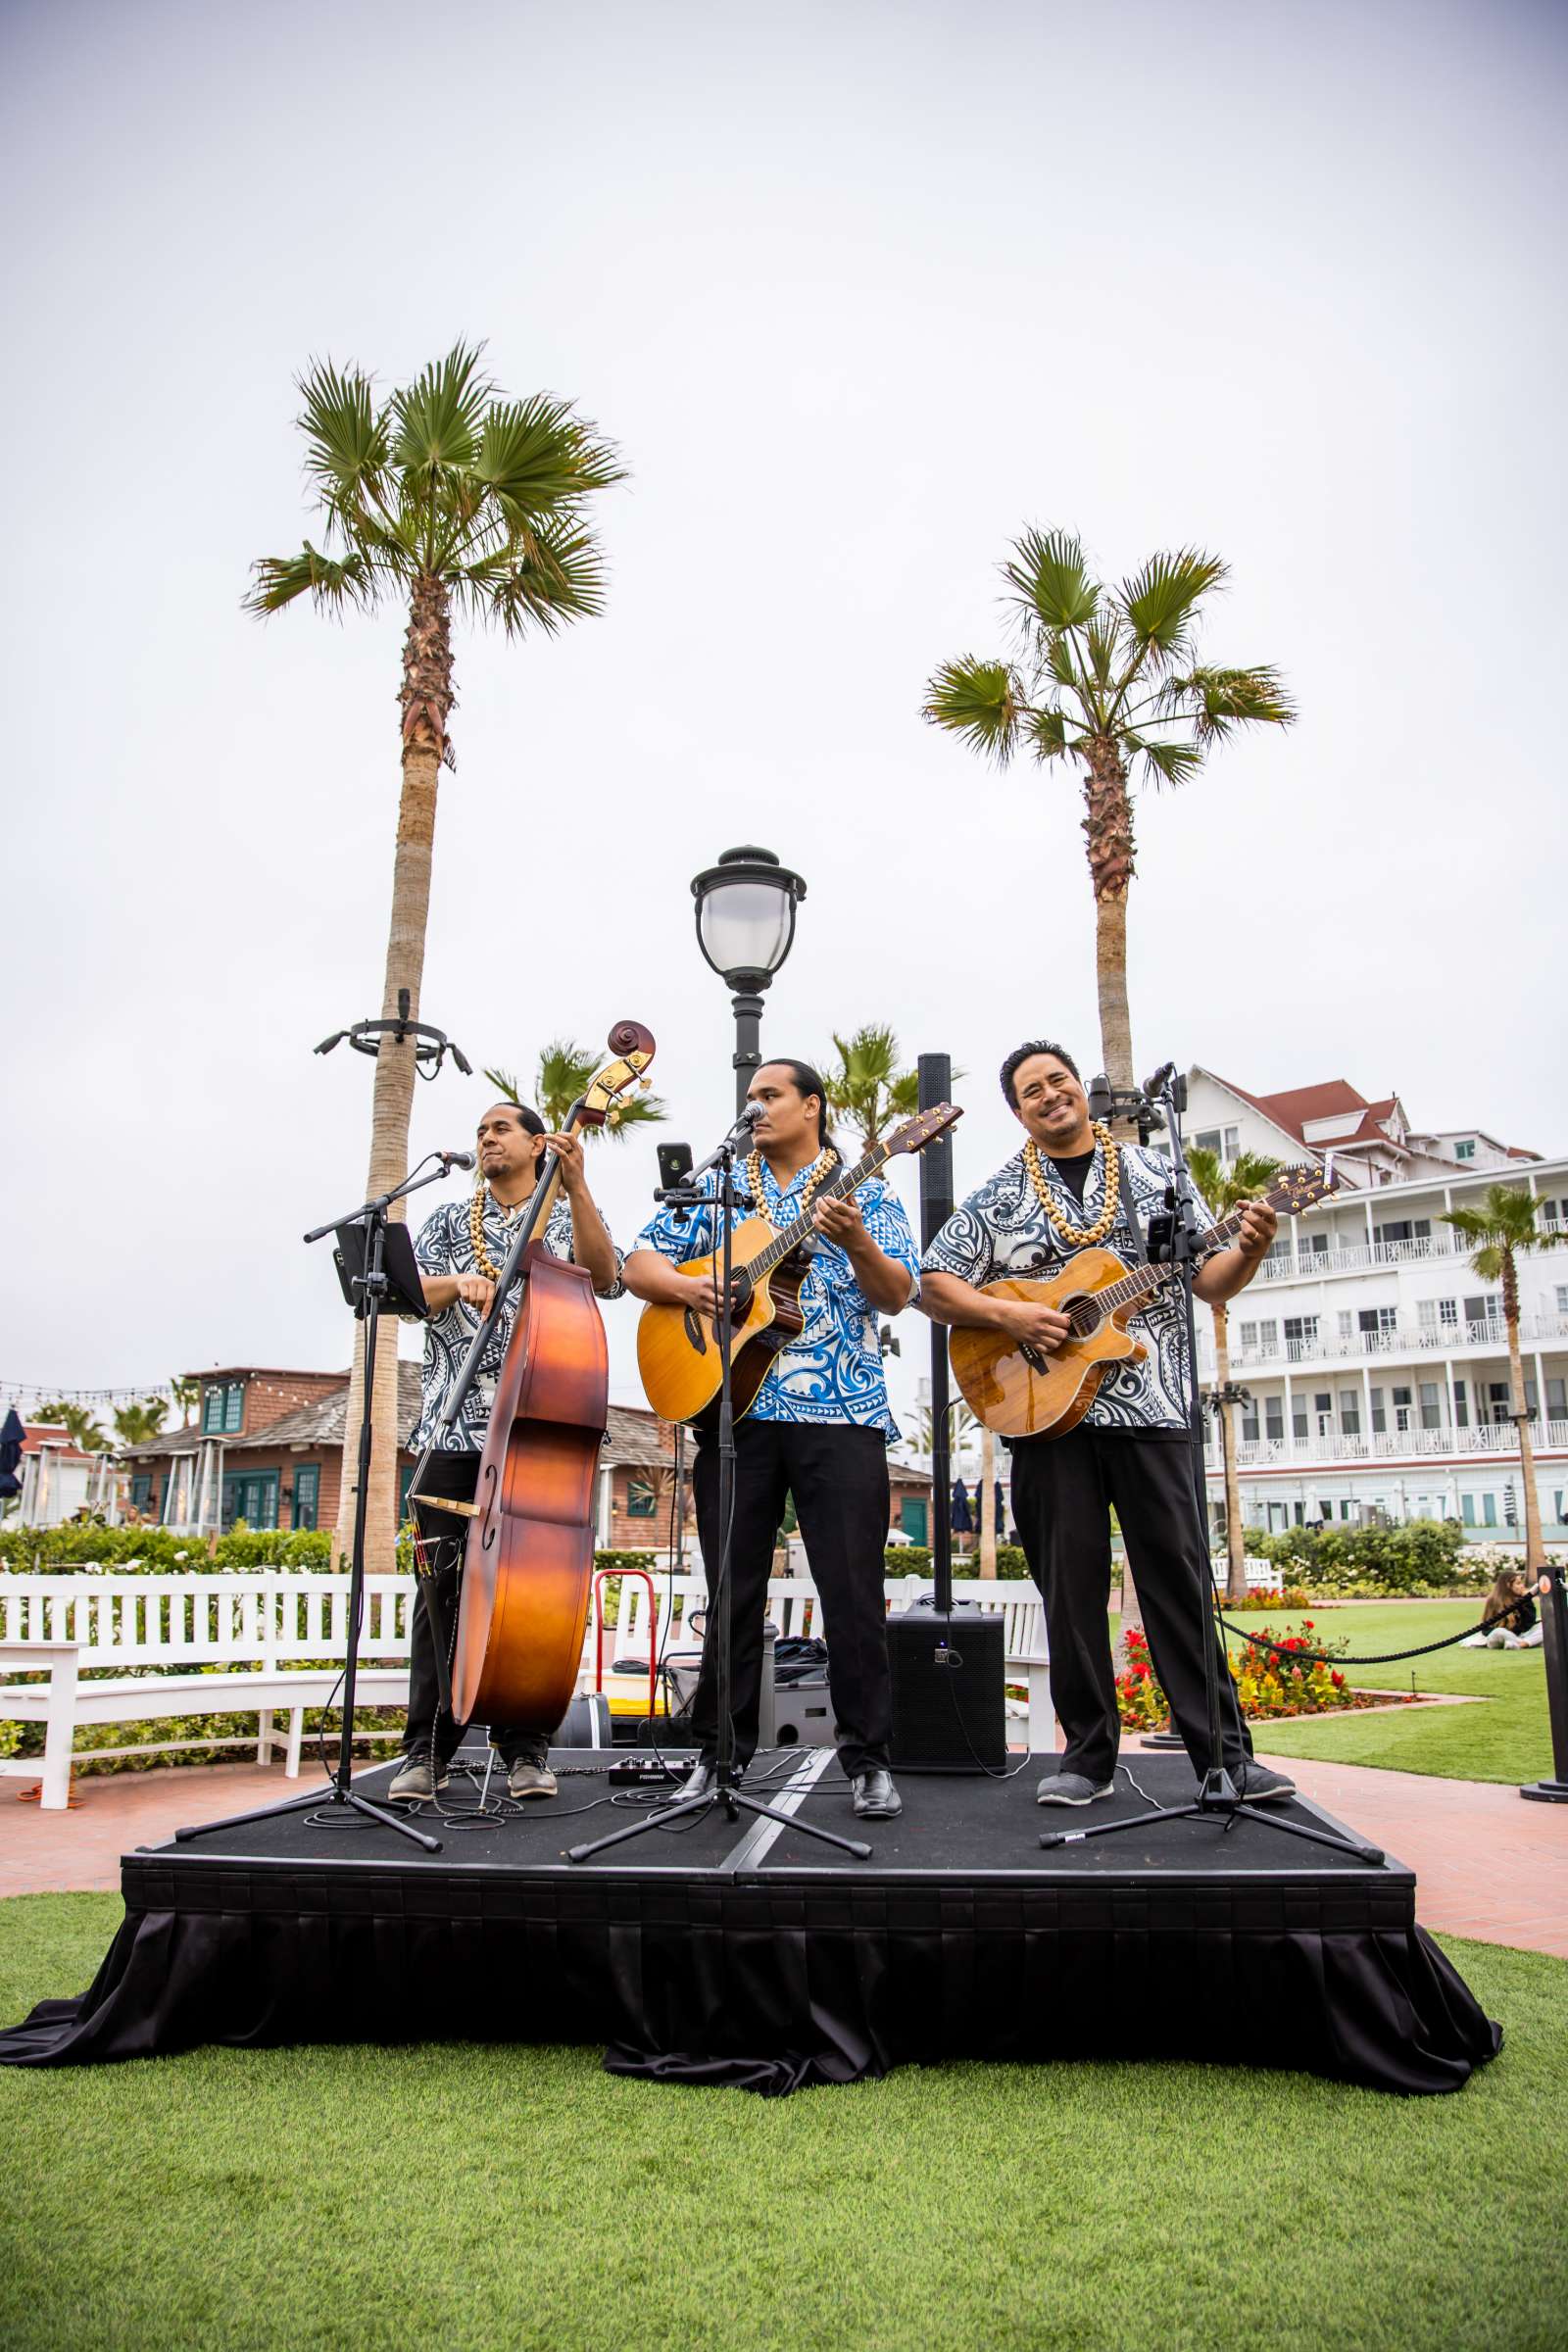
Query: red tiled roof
(1333, 1097)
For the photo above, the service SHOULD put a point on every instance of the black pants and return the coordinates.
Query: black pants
(430, 1725)
(1063, 1491)
(837, 1475)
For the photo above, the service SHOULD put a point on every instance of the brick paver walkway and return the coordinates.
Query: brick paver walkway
(1487, 1863)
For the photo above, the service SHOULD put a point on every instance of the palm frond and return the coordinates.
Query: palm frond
(1158, 603)
(1052, 587)
(331, 584)
(438, 417)
(538, 455)
(1223, 1184)
(1503, 1220)
(504, 1083)
(545, 576)
(1047, 731)
(1218, 700)
(346, 442)
(1168, 763)
(980, 702)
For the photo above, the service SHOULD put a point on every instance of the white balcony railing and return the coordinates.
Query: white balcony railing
(1489, 1442)
(1404, 1340)
(1357, 1258)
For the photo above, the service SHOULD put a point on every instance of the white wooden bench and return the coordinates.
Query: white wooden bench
(277, 1637)
(795, 1606)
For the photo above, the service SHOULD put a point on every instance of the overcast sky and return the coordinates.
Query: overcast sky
(861, 290)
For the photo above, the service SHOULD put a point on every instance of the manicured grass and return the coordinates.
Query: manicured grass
(474, 2196)
(1506, 1739)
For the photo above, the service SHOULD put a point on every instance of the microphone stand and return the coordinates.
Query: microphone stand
(725, 1790)
(1217, 1795)
(373, 1286)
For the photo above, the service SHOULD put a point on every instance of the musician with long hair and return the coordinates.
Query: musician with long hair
(818, 1430)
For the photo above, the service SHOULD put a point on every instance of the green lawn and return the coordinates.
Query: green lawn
(508, 2197)
(1506, 1739)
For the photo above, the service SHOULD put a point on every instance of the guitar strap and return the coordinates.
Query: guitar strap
(1137, 1248)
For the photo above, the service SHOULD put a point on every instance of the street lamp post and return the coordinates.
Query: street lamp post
(746, 927)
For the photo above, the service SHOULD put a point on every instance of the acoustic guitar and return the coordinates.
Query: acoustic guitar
(677, 1346)
(1021, 1390)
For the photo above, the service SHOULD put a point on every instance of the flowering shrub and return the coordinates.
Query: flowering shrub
(1266, 1684)
(1272, 1596)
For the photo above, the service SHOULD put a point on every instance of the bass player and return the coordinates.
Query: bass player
(818, 1430)
(1070, 1188)
(459, 1253)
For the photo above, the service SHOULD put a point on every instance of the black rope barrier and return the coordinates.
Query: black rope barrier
(1386, 1657)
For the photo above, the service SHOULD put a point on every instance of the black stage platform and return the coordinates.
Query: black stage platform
(743, 1952)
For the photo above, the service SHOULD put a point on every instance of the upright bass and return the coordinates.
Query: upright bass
(529, 1561)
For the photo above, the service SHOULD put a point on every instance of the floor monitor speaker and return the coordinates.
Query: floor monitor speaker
(949, 1703)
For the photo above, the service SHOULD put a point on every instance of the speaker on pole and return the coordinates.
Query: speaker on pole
(946, 1661)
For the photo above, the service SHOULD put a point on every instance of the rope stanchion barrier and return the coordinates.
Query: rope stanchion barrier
(1387, 1657)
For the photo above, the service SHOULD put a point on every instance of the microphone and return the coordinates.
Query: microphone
(457, 1159)
(747, 1118)
(1099, 1097)
(1161, 1079)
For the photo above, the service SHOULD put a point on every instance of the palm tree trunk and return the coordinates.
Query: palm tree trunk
(1108, 843)
(426, 700)
(1235, 1533)
(988, 1502)
(1534, 1557)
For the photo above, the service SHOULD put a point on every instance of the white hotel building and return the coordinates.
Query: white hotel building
(1377, 1361)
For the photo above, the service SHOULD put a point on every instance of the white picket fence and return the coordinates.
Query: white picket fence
(279, 1639)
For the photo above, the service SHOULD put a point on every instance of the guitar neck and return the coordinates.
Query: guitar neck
(846, 1181)
(1144, 1280)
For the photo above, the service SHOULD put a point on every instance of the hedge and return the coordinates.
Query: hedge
(914, 1560)
(1427, 1557)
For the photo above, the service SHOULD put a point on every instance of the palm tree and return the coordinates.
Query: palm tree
(563, 1077)
(1104, 674)
(78, 1423)
(1224, 1189)
(1499, 1231)
(444, 497)
(136, 1424)
(187, 1396)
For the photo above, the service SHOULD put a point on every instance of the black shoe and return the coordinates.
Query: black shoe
(875, 1798)
(1261, 1787)
(1072, 1789)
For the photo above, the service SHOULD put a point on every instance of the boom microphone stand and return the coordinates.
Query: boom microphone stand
(363, 1229)
(1217, 1796)
(725, 1790)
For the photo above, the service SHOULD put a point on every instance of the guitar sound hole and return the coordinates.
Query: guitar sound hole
(1083, 1314)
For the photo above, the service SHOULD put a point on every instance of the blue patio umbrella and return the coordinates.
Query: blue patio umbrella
(13, 1436)
(960, 1521)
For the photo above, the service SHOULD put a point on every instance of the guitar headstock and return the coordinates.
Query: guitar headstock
(923, 1128)
(633, 1048)
(1296, 1189)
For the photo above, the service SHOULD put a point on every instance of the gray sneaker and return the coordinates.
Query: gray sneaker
(419, 1780)
(1261, 1787)
(1070, 1789)
(529, 1775)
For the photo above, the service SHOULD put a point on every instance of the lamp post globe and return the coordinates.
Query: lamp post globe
(745, 928)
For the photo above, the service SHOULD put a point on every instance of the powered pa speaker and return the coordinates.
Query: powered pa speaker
(948, 1704)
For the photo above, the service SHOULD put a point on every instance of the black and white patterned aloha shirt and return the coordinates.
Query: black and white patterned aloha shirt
(1002, 1230)
(445, 1246)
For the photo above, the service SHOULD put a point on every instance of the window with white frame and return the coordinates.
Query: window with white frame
(1350, 1412)
(1439, 1314)
(1431, 1404)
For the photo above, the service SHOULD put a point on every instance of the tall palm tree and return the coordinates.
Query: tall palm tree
(1500, 1231)
(444, 497)
(1224, 1188)
(1104, 675)
(564, 1075)
(187, 1396)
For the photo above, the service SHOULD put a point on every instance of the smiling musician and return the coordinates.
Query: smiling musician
(1068, 1188)
(819, 1429)
(460, 1251)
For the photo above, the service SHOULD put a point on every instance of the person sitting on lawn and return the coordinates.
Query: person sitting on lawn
(1511, 1618)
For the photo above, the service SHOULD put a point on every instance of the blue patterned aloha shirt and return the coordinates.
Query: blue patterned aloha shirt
(445, 1246)
(833, 1370)
(1001, 1230)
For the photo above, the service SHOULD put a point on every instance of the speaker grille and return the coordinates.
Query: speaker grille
(949, 1705)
